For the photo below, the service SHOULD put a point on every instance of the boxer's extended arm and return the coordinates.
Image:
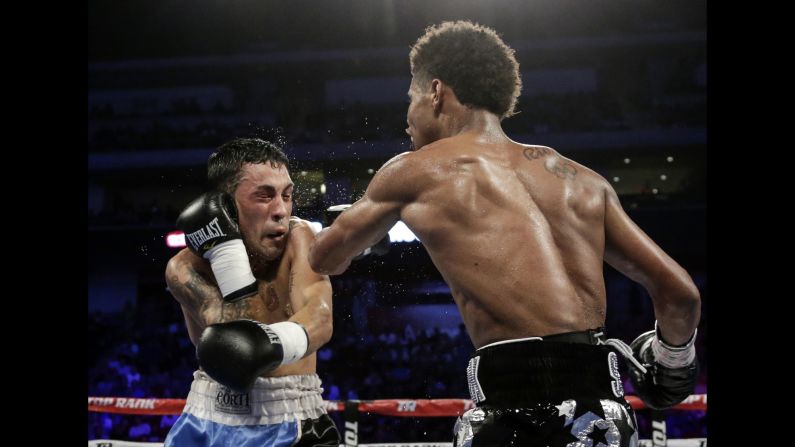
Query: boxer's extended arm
(366, 222)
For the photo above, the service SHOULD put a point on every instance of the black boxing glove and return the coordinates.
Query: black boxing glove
(212, 232)
(235, 353)
(671, 371)
(380, 248)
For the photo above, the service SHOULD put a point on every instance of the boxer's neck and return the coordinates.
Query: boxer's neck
(468, 120)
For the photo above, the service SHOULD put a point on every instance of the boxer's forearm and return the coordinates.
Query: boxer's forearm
(329, 255)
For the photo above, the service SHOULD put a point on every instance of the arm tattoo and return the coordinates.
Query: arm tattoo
(288, 307)
(559, 168)
(291, 284)
(204, 298)
(197, 292)
(238, 310)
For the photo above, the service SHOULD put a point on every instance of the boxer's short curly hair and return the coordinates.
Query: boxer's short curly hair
(481, 69)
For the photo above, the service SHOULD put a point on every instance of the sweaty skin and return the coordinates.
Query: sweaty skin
(518, 232)
(277, 244)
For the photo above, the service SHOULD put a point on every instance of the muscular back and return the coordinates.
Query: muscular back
(516, 231)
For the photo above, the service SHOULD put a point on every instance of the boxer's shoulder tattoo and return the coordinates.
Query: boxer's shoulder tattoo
(561, 169)
(555, 165)
(533, 153)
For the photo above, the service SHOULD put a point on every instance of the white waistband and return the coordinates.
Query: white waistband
(272, 400)
(514, 340)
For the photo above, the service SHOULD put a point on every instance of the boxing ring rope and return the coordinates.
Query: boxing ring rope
(385, 407)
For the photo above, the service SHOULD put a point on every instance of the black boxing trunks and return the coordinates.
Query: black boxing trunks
(562, 390)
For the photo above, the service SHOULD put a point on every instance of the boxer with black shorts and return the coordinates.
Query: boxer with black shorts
(520, 234)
